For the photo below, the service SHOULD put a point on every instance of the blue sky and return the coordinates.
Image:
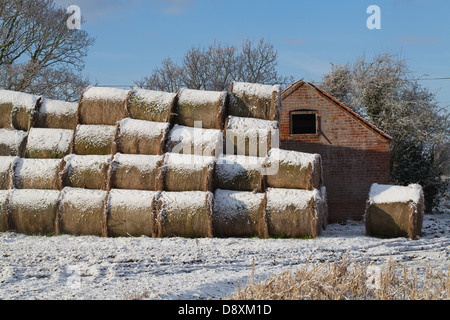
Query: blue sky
(134, 36)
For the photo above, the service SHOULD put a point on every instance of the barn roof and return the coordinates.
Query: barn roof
(293, 87)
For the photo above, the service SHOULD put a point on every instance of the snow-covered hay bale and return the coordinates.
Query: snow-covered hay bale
(188, 140)
(12, 142)
(34, 211)
(95, 140)
(103, 106)
(151, 105)
(141, 136)
(199, 105)
(239, 173)
(294, 213)
(82, 212)
(184, 214)
(131, 213)
(17, 109)
(293, 170)
(254, 100)
(90, 171)
(4, 210)
(394, 211)
(188, 172)
(6, 172)
(239, 214)
(138, 172)
(249, 136)
(56, 114)
(46, 143)
(37, 174)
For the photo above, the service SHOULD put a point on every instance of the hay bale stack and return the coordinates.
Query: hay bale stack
(131, 213)
(293, 170)
(199, 105)
(188, 172)
(94, 140)
(56, 114)
(4, 210)
(253, 100)
(294, 213)
(141, 136)
(138, 172)
(12, 142)
(239, 214)
(249, 136)
(17, 109)
(37, 174)
(103, 106)
(188, 140)
(184, 214)
(6, 172)
(239, 173)
(149, 105)
(90, 172)
(81, 212)
(34, 211)
(394, 211)
(46, 143)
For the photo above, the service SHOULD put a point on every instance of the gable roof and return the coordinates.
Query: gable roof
(293, 87)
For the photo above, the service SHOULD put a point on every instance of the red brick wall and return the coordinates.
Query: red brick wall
(353, 155)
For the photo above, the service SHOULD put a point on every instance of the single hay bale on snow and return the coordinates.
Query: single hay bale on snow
(199, 105)
(4, 210)
(55, 114)
(94, 140)
(135, 171)
(394, 211)
(12, 142)
(151, 105)
(294, 213)
(7, 172)
(141, 136)
(17, 109)
(184, 214)
(34, 211)
(239, 173)
(239, 214)
(89, 172)
(37, 174)
(103, 106)
(82, 212)
(131, 213)
(46, 143)
(293, 170)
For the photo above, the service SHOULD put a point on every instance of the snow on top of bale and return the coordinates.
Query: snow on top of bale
(242, 123)
(58, 107)
(6, 162)
(188, 161)
(35, 198)
(292, 157)
(50, 139)
(142, 127)
(232, 203)
(79, 197)
(92, 162)
(256, 89)
(207, 139)
(95, 132)
(12, 137)
(184, 199)
(146, 163)
(201, 96)
(131, 198)
(26, 100)
(282, 198)
(36, 168)
(102, 93)
(380, 193)
(154, 97)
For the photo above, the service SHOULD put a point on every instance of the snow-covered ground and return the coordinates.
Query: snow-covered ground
(67, 267)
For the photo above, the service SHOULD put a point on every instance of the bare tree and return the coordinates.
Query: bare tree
(38, 53)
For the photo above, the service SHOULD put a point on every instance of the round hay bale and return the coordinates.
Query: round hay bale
(151, 105)
(34, 211)
(188, 172)
(188, 140)
(293, 170)
(103, 106)
(37, 174)
(17, 109)
(293, 213)
(4, 210)
(90, 172)
(239, 214)
(239, 173)
(131, 213)
(95, 140)
(254, 100)
(55, 114)
(6, 172)
(141, 136)
(12, 142)
(394, 211)
(184, 214)
(199, 105)
(46, 143)
(82, 212)
(138, 172)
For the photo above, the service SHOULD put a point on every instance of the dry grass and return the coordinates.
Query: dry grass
(343, 280)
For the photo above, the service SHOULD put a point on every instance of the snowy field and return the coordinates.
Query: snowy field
(66, 267)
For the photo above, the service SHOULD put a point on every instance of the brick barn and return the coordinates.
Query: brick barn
(354, 152)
